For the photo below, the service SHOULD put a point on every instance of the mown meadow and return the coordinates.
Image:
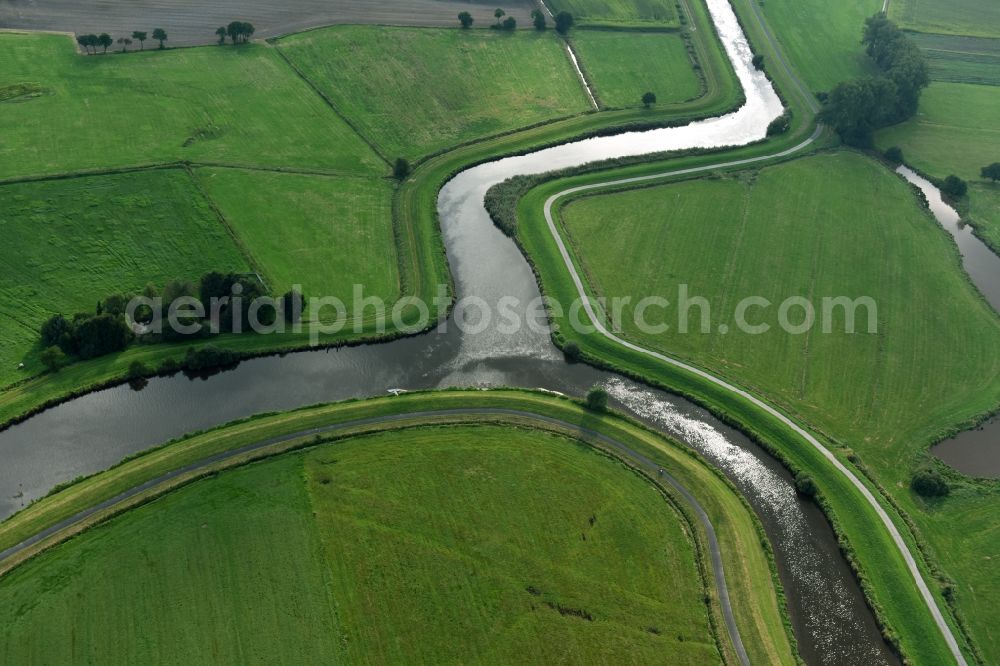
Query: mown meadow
(830, 225)
(481, 543)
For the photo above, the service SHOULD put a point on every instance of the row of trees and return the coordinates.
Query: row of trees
(857, 108)
(563, 20)
(239, 32)
(106, 331)
(90, 43)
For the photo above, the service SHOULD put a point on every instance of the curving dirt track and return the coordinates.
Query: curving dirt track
(193, 22)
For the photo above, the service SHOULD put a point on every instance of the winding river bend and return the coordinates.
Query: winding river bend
(832, 623)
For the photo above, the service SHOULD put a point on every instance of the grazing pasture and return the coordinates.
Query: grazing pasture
(980, 18)
(845, 226)
(621, 66)
(822, 39)
(70, 243)
(432, 544)
(422, 90)
(325, 234)
(233, 105)
(956, 131)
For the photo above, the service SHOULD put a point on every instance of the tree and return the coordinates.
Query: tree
(572, 351)
(509, 23)
(538, 18)
(125, 42)
(499, 14)
(805, 485)
(894, 155)
(139, 36)
(137, 369)
(401, 169)
(928, 482)
(84, 42)
(248, 31)
(53, 358)
(221, 32)
(758, 61)
(105, 41)
(564, 21)
(100, 335)
(160, 35)
(57, 331)
(465, 18)
(648, 99)
(991, 171)
(780, 125)
(954, 187)
(597, 399)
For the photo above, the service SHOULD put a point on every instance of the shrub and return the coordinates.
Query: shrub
(780, 125)
(805, 485)
(401, 169)
(597, 399)
(53, 358)
(894, 155)
(572, 351)
(137, 369)
(954, 187)
(928, 482)
(758, 61)
(564, 21)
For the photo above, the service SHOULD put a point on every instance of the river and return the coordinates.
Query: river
(832, 623)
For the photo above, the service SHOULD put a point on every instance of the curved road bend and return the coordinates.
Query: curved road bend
(855, 481)
(627, 452)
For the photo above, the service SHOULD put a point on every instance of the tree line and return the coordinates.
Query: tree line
(239, 32)
(90, 43)
(857, 108)
(107, 329)
(563, 20)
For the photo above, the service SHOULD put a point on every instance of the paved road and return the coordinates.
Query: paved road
(890, 527)
(634, 457)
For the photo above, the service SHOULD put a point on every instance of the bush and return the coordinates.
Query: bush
(894, 155)
(572, 351)
(137, 369)
(805, 485)
(780, 125)
(597, 399)
(954, 187)
(564, 21)
(928, 482)
(758, 61)
(648, 99)
(510, 23)
(209, 358)
(401, 169)
(53, 358)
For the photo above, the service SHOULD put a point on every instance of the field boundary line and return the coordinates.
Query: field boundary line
(329, 102)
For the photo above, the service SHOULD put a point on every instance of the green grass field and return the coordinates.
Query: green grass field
(623, 13)
(960, 59)
(718, 237)
(822, 39)
(979, 18)
(956, 131)
(215, 104)
(435, 88)
(847, 227)
(325, 234)
(418, 545)
(621, 66)
(73, 242)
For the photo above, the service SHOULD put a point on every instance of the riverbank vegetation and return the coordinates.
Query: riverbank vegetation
(609, 565)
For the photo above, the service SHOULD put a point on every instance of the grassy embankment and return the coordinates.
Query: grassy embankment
(419, 253)
(624, 550)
